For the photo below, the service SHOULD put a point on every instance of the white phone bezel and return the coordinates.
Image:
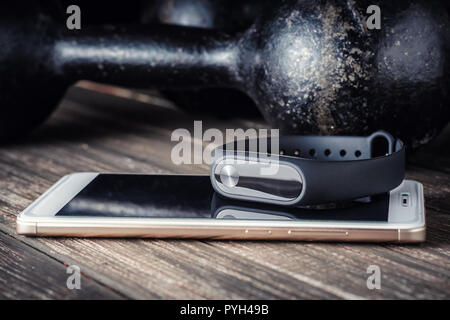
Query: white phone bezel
(55, 198)
(46, 206)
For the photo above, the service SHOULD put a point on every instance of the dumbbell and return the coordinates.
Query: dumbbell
(312, 67)
(231, 16)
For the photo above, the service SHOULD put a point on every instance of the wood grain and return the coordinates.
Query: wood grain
(30, 274)
(92, 131)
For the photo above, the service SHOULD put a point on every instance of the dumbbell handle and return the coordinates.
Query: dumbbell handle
(160, 56)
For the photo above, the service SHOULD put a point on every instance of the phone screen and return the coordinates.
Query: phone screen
(184, 196)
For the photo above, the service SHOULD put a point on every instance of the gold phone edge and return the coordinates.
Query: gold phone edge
(239, 231)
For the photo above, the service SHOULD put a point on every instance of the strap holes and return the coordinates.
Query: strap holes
(357, 153)
(327, 152)
(296, 152)
(342, 153)
(312, 152)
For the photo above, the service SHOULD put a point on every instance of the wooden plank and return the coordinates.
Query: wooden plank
(248, 270)
(104, 133)
(408, 271)
(116, 255)
(26, 273)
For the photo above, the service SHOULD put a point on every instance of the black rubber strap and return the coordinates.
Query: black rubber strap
(338, 167)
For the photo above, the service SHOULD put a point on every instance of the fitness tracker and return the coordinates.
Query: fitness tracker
(309, 169)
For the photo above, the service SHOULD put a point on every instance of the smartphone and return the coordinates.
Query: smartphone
(186, 206)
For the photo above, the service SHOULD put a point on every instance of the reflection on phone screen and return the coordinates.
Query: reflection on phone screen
(184, 196)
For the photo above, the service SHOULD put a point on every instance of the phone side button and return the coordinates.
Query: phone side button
(258, 232)
(319, 233)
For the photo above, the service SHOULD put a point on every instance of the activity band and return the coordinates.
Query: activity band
(309, 169)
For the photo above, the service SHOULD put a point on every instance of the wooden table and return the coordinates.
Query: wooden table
(121, 131)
